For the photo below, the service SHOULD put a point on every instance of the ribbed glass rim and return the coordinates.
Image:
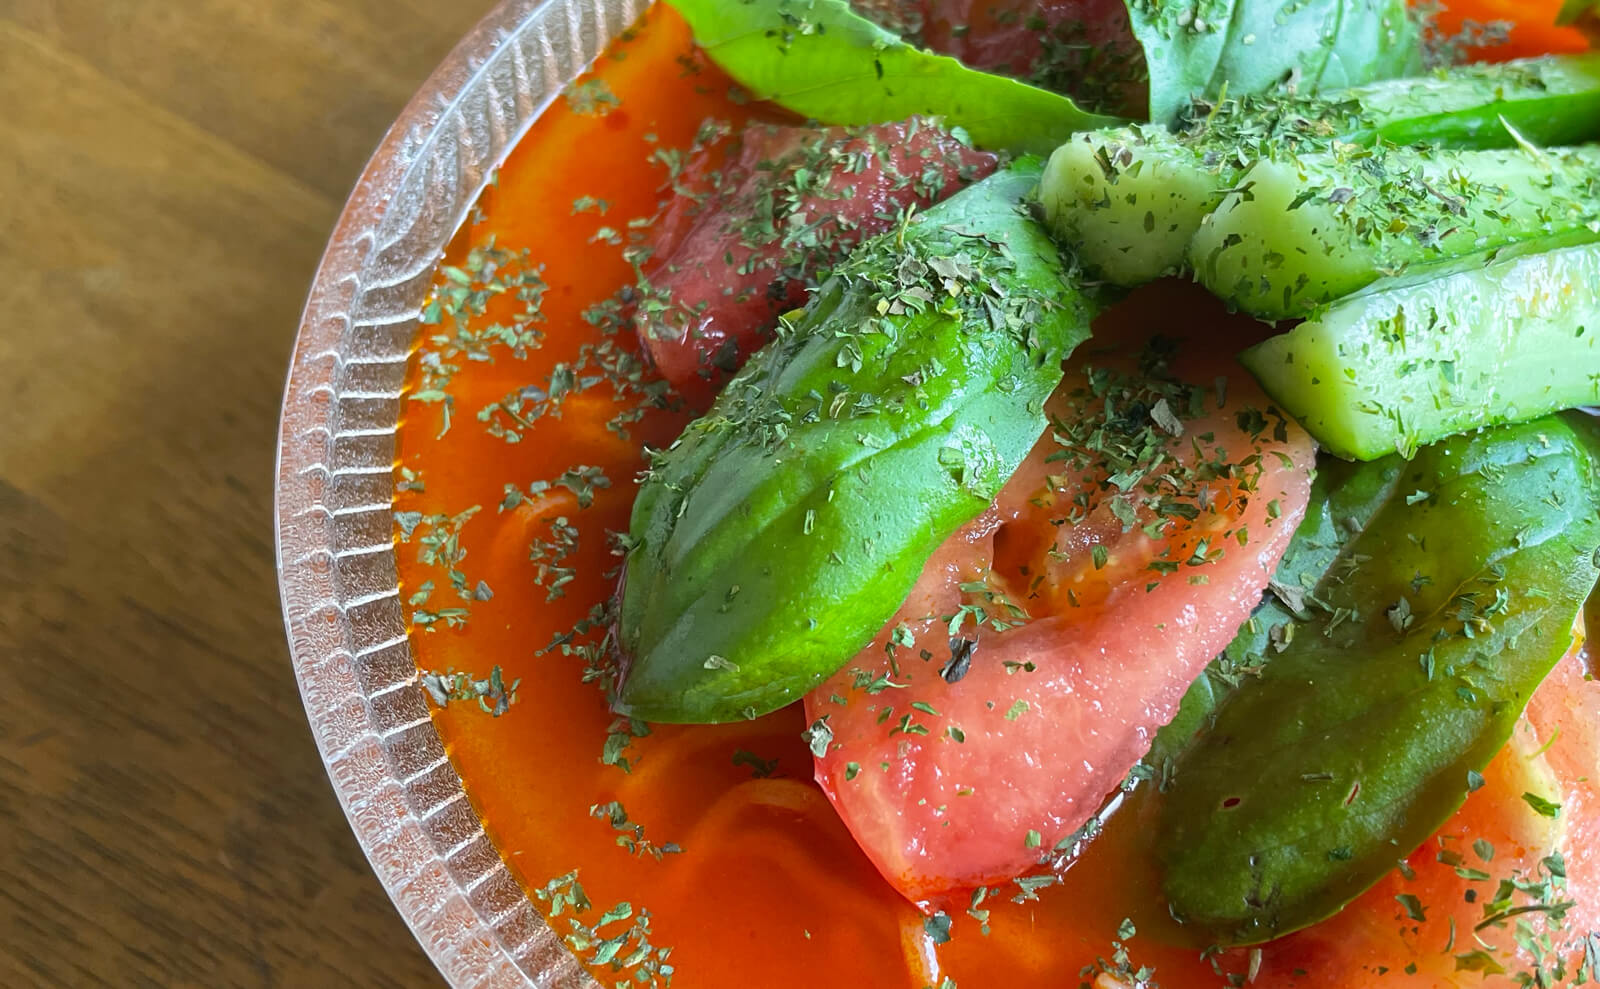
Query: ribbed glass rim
(335, 487)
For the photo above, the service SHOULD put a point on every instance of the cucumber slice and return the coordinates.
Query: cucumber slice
(1399, 367)
(1298, 233)
(1129, 200)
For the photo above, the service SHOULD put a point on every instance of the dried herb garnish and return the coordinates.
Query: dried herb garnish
(630, 835)
(492, 694)
(618, 938)
(458, 306)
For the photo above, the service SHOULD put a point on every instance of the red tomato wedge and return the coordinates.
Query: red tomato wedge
(761, 212)
(1137, 538)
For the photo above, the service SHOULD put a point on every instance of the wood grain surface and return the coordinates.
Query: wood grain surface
(169, 172)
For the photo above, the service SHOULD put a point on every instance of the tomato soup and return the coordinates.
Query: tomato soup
(705, 855)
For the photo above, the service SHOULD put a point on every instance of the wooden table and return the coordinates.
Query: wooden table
(169, 171)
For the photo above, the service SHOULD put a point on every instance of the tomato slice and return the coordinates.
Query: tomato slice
(760, 214)
(1138, 536)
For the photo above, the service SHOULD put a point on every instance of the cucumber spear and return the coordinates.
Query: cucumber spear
(1301, 232)
(1395, 369)
(1130, 199)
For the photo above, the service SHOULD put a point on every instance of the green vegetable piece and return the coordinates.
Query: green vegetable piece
(1435, 626)
(780, 532)
(1133, 198)
(1589, 426)
(1345, 498)
(1203, 48)
(1579, 12)
(1296, 234)
(1551, 100)
(1130, 200)
(821, 59)
(1408, 365)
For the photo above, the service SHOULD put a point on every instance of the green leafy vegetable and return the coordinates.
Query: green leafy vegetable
(1203, 48)
(780, 532)
(1433, 629)
(823, 60)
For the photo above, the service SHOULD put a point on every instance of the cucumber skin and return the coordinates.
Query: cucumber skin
(1550, 100)
(1275, 254)
(1506, 343)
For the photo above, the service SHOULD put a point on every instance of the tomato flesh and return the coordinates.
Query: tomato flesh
(952, 785)
(762, 212)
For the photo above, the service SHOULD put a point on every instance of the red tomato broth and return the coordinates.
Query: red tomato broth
(770, 884)
(1533, 31)
(549, 742)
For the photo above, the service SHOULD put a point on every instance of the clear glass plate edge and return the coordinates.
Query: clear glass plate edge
(334, 491)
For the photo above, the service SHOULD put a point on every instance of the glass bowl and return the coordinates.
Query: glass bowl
(335, 487)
